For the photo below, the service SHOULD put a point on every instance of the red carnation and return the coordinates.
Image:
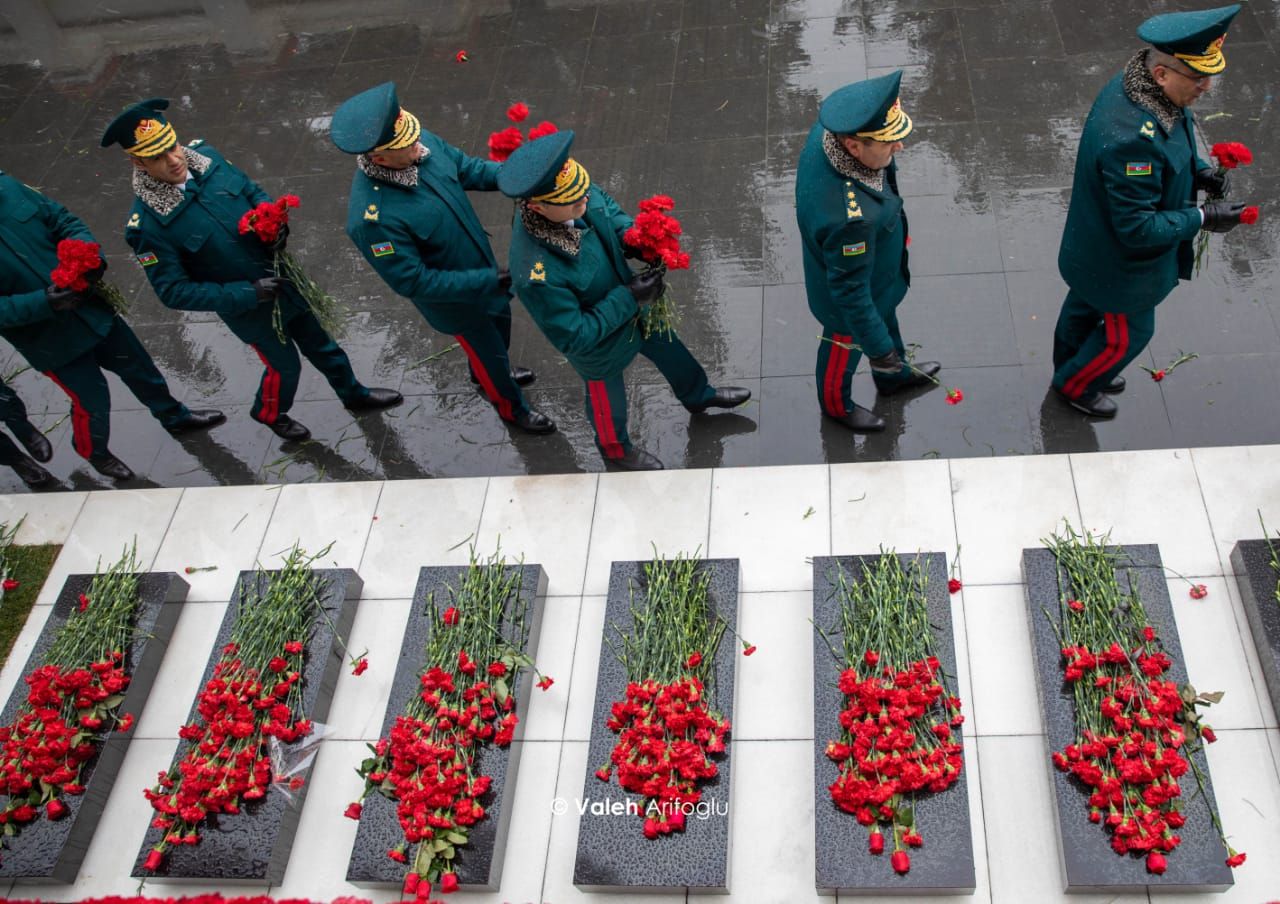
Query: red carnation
(546, 682)
(360, 667)
(1207, 733)
(354, 810)
(154, 859)
(541, 129)
(901, 862)
(497, 669)
(954, 585)
(397, 854)
(449, 616)
(1156, 863)
(501, 144)
(748, 650)
(1158, 375)
(1249, 216)
(518, 112)
(1231, 154)
(293, 646)
(10, 584)
(413, 886)
(1075, 605)
(954, 396)
(1236, 859)
(75, 259)
(460, 56)
(655, 235)
(694, 660)
(876, 843)
(448, 883)
(84, 603)
(603, 773)
(1199, 591)
(871, 657)
(55, 809)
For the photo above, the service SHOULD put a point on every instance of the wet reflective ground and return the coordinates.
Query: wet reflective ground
(705, 100)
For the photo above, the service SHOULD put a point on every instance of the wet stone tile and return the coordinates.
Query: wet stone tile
(698, 13)
(1025, 29)
(953, 235)
(1022, 89)
(718, 108)
(551, 66)
(896, 39)
(709, 175)
(638, 18)
(960, 320)
(381, 42)
(1030, 225)
(939, 93)
(1086, 26)
(789, 334)
(721, 51)
(627, 61)
(622, 117)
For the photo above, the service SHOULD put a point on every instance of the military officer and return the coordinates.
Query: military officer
(184, 229)
(854, 233)
(569, 268)
(72, 336)
(14, 415)
(410, 217)
(1133, 212)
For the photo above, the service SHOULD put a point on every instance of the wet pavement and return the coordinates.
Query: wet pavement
(708, 101)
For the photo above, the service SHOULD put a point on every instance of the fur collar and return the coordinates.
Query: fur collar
(162, 197)
(405, 178)
(560, 236)
(1141, 88)
(848, 165)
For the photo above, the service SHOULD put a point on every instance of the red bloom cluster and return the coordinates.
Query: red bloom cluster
(503, 143)
(75, 259)
(1231, 154)
(518, 112)
(541, 129)
(60, 728)
(954, 396)
(1249, 215)
(226, 762)
(656, 235)
(199, 899)
(666, 733)
(268, 218)
(896, 740)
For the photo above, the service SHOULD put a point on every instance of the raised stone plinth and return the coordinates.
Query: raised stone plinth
(1257, 580)
(1088, 863)
(944, 865)
(253, 846)
(478, 863)
(51, 852)
(613, 854)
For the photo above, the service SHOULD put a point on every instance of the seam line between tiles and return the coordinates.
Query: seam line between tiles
(165, 533)
(364, 549)
(266, 529)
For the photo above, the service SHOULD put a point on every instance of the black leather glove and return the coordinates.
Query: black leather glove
(886, 364)
(1221, 216)
(631, 254)
(646, 287)
(63, 299)
(282, 239)
(95, 275)
(1214, 185)
(268, 288)
(504, 279)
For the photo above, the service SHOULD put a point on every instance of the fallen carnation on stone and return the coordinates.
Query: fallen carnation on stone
(954, 396)
(1199, 591)
(954, 585)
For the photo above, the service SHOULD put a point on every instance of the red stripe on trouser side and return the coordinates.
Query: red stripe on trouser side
(1117, 344)
(486, 382)
(270, 412)
(833, 382)
(603, 413)
(80, 437)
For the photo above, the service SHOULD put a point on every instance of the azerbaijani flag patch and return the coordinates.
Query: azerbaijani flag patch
(853, 250)
(147, 258)
(1137, 169)
(382, 249)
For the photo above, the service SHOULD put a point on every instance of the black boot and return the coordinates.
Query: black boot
(636, 460)
(534, 422)
(31, 473)
(521, 376)
(923, 375)
(1115, 386)
(859, 420)
(1094, 404)
(36, 443)
(377, 398)
(197, 420)
(287, 428)
(108, 465)
(725, 397)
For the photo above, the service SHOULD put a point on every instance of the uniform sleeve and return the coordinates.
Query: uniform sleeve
(474, 174)
(572, 330)
(61, 222)
(619, 220)
(24, 308)
(1132, 174)
(848, 253)
(31, 307)
(163, 266)
(391, 250)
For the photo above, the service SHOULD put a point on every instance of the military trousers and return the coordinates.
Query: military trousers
(283, 367)
(1092, 347)
(837, 363)
(486, 342)
(14, 415)
(606, 400)
(84, 382)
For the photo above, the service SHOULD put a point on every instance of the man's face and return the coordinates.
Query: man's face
(561, 213)
(873, 154)
(400, 158)
(1182, 86)
(171, 166)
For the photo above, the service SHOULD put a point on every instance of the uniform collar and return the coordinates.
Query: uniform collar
(162, 197)
(1141, 88)
(562, 237)
(404, 178)
(848, 165)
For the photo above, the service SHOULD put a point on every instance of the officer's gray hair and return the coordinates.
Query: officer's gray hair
(1160, 58)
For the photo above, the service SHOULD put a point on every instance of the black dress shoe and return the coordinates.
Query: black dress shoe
(31, 473)
(636, 460)
(197, 420)
(923, 375)
(1094, 404)
(36, 443)
(521, 376)
(377, 398)
(725, 397)
(533, 422)
(110, 466)
(859, 420)
(286, 427)
(1115, 386)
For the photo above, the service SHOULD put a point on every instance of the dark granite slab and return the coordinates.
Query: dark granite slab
(1251, 562)
(479, 862)
(1087, 861)
(944, 865)
(613, 855)
(254, 846)
(51, 852)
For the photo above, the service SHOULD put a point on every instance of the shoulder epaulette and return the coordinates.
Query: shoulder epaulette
(852, 210)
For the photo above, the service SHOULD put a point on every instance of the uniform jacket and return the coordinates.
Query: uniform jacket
(31, 226)
(1133, 209)
(425, 239)
(854, 247)
(578, 296)
(192, 250)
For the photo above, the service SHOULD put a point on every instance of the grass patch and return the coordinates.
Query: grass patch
(29, 566)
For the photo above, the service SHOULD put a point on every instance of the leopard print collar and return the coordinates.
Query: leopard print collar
(405, 178)
(848, 165)
(1141, 88)
(163, 197)
(560, 236)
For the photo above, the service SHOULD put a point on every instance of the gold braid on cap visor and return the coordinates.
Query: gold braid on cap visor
(897, 125)
(1211, 62)
(408, 129)
(572, 183)
(153, 138)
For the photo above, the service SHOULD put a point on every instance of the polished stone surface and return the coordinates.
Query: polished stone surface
(1257, 579)
(707, 101)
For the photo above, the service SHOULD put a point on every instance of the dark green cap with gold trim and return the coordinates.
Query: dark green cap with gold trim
(868, 109)
(373, 120)
(542, 170)
(141, 129)
(1193, 37)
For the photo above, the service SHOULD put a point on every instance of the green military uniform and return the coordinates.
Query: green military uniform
(853, 230)
(1133, 214)
(416, 228)
(71, 347)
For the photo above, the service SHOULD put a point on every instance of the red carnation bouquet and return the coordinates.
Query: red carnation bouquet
(1230, 155)
(267, 221)
(503, 142)
(428, 763)
(73, 702)
(76, 260)
(655, 236)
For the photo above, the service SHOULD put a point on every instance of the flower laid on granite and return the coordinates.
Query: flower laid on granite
(1136, 731)
(667, 724)
(503, 142)
(254, 696)
(269, 221)
(655, 236)
(80, 268)
(896, 740)
(72, 703)
(1182, 358)
(201, 899)
(428, 763)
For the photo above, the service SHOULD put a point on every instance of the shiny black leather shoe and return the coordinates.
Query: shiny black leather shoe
(31, 473)
(1115, 386)
(521, 376)
(377, 398)
(108, 465)
(1094, 404)
(636, 460)
(36, 443)
(534, 422)
(286, 427)
(921, 376)
(197, 420)
(859, 420)
(725, 397)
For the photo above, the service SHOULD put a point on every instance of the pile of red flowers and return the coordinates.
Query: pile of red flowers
(75, 259)
(200, 899)
(896, 741)
(268, 218)
(666, 735)
(503, 142)
(655, 235)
